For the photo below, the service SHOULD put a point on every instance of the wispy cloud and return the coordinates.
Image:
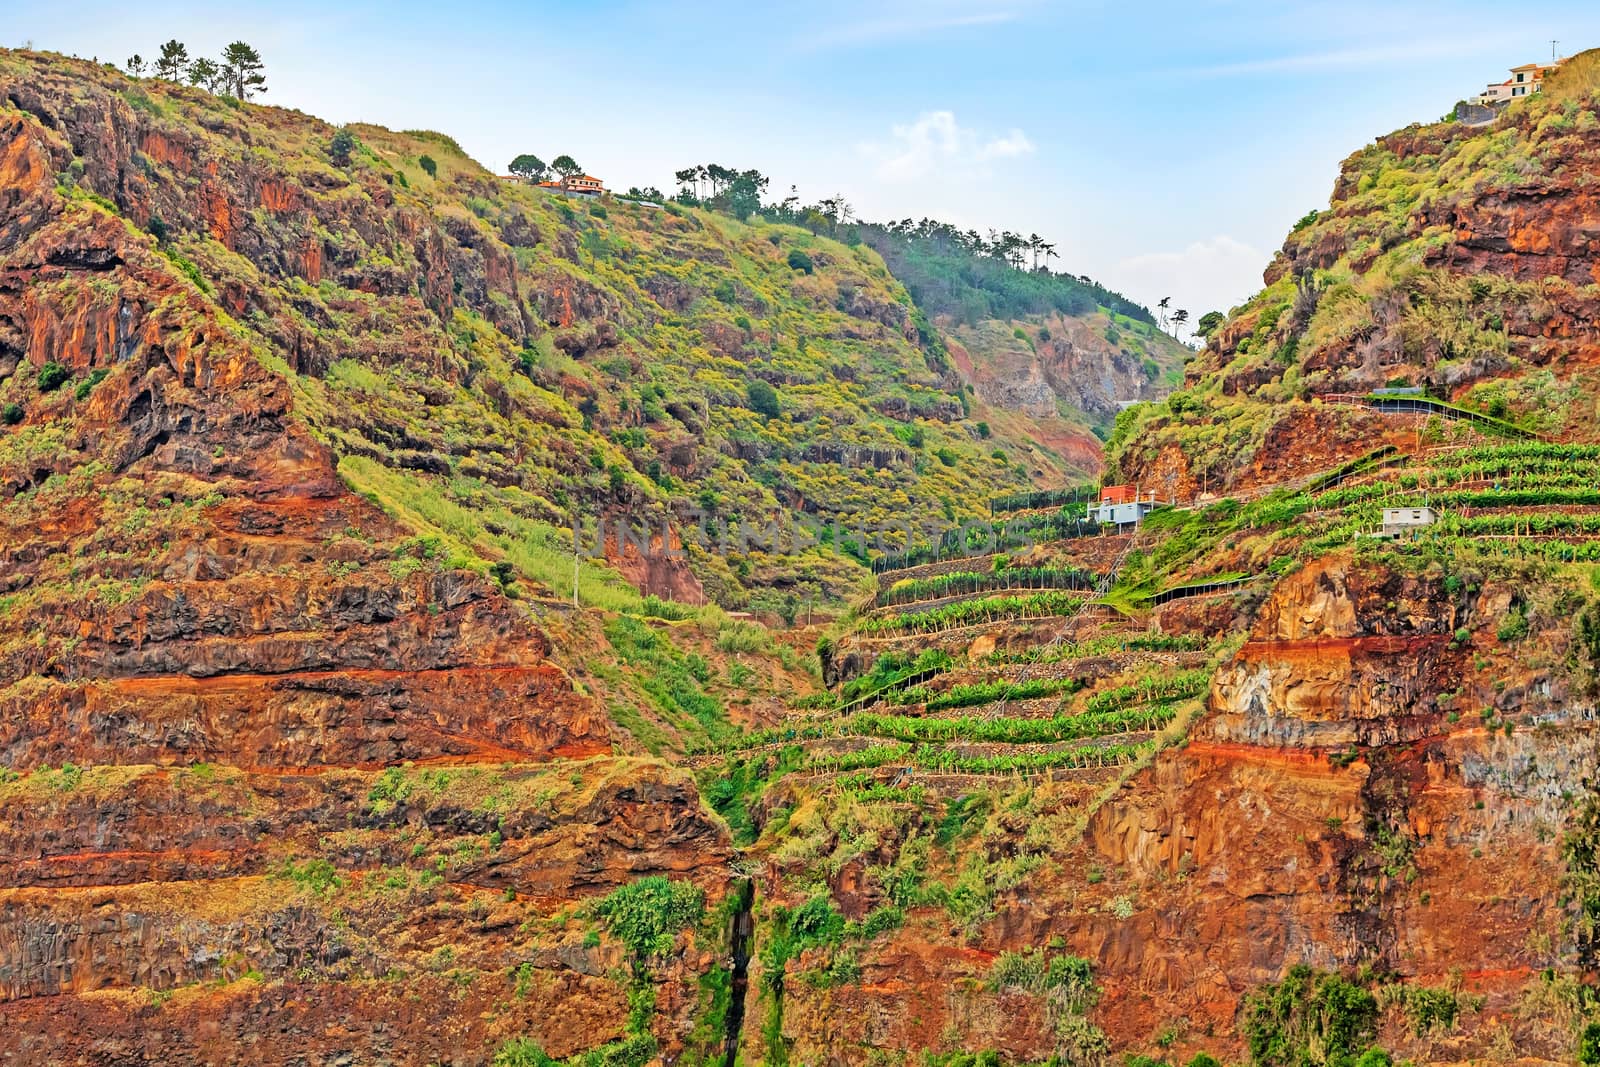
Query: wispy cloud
(1352, 58)
(1210, 275)
(911, 23)
(937, 142)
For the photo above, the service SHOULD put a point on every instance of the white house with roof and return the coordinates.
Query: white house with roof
(1524, 81)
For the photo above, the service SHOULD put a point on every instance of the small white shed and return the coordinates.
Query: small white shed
(1400, 520)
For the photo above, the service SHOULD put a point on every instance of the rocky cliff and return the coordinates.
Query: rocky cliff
(306, 754)
(288, 775)
(1450, 258)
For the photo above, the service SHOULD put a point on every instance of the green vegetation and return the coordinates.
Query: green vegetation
(52, 376)
(84, 387)
(1014, 731)
(647, 915)
(763, 399)
(968, 612)
(1041, 498)
(1310, 1019)
(960, 274)
(891, 671)
(960, 583)
(239, 72)
(671, 680)
(735, 789)
(340, 146)
(635, 1050)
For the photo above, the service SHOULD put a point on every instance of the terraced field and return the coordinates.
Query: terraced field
(1069, 662)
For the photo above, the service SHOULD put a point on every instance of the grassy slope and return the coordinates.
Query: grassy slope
(608, 373)
(1369, 291)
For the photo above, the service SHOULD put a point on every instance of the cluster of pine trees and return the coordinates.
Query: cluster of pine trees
(237, 72)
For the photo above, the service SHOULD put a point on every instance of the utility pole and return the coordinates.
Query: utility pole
(576, 555)
(1553, 50)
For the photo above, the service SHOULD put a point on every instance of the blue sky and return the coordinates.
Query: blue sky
(1165, 147)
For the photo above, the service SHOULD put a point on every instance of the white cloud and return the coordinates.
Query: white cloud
(937, 142)
(1212, 275)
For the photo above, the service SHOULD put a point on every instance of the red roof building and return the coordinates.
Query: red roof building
(1117, 494)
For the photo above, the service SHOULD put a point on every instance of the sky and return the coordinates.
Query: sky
(1164, 147)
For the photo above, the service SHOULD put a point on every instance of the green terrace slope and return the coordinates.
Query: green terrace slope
(490, 361)
(1450, 260)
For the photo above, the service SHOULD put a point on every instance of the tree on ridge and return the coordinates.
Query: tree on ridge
(173, 59)
(242, 70)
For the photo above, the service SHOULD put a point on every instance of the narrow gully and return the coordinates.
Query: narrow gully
(740, 937)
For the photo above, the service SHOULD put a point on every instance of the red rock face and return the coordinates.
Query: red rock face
(1254, 845)
(213, 648)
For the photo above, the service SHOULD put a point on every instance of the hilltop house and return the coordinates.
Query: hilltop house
(576, 185)
(1524, 80)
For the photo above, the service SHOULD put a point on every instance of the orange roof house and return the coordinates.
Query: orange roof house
(1117, 494)
(1524, 81)
(576, 184)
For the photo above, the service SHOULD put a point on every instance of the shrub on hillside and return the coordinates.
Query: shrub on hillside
(798, 260)
(340, 147)
(763, 398)
(52, 376)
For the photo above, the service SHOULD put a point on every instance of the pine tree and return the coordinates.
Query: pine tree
(205, 74)
(172, 61)
(529, 168)
(242, 70)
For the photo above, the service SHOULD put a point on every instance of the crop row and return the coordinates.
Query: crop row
(1532, 523)
(968, 612)
(979, 539)
(931, 758)
(1015, 731)
(972, 694)
(957, 583)
(893, 669)
(1514, 455)
(1176, 686)
(1098, 646)
(1041, 498)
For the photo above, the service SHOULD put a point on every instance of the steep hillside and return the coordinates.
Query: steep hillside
(1051, 358)
(306, 754)
(1245, 782)
(1455, 259)
(1061, 380)
(293, 769)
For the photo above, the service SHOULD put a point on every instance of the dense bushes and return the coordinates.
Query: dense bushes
(52, 376)
(646, 915)
(1310, 1019)
(763, 398)
(1014, 731)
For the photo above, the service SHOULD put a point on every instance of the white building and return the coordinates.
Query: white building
(1524, 81)
(1403, 520)
(1120, 505)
